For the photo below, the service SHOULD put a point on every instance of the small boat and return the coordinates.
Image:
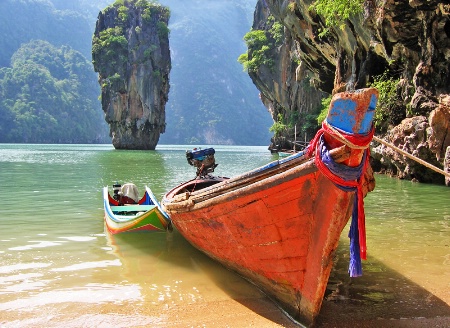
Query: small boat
(126, 212)
(285, 153)
(296, 146)
(279, 225)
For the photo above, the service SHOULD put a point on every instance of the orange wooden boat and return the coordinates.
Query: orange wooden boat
(279, 225)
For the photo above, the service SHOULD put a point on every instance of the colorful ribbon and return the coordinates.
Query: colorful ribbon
(349, 179)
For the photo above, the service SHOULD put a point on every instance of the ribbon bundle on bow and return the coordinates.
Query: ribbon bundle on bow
(349, 179)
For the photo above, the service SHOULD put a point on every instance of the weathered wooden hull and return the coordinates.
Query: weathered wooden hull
(279, 232)
(119, 219)
(278, 226)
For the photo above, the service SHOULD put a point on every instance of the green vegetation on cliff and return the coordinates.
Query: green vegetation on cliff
(388, 112)
(43, 99)
(336, 12)
(259, 44)
(111, 45)
(149, 8)
(257, 41)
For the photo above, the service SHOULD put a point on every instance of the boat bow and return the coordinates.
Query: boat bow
(279, 225)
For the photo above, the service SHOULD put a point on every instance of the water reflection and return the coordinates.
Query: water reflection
(90, 293)
(139, 167)
(174, 274)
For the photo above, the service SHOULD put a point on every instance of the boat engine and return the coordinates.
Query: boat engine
(202, 159)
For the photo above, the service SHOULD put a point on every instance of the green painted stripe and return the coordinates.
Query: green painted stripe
(132, 208)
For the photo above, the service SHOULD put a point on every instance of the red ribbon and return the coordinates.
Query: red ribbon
(358, 140)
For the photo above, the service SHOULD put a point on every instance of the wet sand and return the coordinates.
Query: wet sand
(345, 306)
(381, 298)
(219, 298)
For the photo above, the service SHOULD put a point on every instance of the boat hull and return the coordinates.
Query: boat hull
(279, 232)
(279, 225)
(119, 219)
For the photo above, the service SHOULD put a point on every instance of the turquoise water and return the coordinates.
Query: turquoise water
(58, 266)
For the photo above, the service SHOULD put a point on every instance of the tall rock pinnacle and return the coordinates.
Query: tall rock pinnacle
(130, 52)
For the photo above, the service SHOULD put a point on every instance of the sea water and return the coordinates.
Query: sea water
(58, 266)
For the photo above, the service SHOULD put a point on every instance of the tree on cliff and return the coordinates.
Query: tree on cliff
(274, 66)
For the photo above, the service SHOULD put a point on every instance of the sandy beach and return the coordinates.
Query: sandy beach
(224, 299)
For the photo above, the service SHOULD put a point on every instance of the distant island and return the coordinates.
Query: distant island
(130, 52)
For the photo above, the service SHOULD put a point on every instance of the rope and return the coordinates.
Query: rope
(352, 141)
(357, 141)
(414, 158)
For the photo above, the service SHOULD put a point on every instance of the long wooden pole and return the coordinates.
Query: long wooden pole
(295, 136)
(414, 158)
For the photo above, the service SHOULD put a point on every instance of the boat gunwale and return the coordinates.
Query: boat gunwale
(157, 203)
(246, 183)
(120, 218)
(265, 169)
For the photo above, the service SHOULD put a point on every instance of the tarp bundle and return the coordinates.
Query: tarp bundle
(130, 190)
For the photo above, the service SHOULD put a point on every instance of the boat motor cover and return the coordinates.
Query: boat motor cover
(198, 154)
(202, 159)
(130, 190)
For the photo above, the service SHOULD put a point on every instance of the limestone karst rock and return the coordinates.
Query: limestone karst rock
(407, 40)
(284, 83)
(130, 52)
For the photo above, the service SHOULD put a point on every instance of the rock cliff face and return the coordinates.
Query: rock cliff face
(408, 41)
(285, 83)
(130, 51)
